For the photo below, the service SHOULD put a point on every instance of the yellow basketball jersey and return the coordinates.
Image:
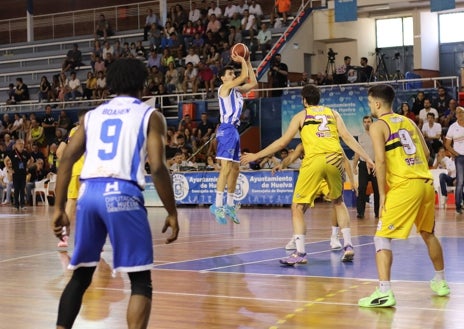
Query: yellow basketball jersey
(405, 157)
(319, 133)
(77, 167)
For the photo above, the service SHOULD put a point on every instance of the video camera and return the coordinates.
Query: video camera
(331, 54)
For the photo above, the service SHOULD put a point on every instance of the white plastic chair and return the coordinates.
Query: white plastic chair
(41, 189)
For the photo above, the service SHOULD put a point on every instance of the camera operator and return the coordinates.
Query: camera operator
(341, 76)
(279, 75)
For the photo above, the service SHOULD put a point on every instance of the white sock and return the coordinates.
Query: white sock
(230, 199)
(219, 199)
(384, 286)
(439, 275)
(346, 232)
(300, 243)
(334, 231)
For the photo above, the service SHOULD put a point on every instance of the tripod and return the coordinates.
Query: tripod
(398, 75)
(330, 67)
(381, 71)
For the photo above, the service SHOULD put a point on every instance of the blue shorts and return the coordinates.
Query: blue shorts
(228, 146)
(115, 208)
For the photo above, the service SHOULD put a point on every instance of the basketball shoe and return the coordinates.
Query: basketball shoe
(294, 258)
(231, 212)
(441, 288)
(219, 214)
(348, 255)
(378, 299)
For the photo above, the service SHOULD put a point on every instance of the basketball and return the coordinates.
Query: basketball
(241, 50)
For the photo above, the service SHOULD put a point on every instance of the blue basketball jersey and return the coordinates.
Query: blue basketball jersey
(116, 134)
(230, 107)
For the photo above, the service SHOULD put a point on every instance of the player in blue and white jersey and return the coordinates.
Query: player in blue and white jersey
(228, 146)
(118, 138)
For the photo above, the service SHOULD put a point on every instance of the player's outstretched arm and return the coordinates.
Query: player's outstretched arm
(156, 142)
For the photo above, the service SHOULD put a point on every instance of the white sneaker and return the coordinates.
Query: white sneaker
(291, 245)
(335, 243)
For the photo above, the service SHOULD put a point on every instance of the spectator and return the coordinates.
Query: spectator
(366, 70)
(8, 142)
(264, 38)
(205, 128)
(21, 91)
(194, 13)
(75, 88)
(188, 34)
(64, 122)
(192, 57)
(214, 25)
(172, 78)
(449, 116)
(279, 75)
(52, 159)
(165, 60)
(35, 173)
(155, 78)
(441, 103)
(446, 179)
(406, 111)
(103, 28)
(282, 8)
(249, 27)
(432, 134)
(236, 22)
(190, 80)
(154, 59)
(90, 86)
(7, 180)
(73, 58)
(151, 19)
(49, 125)
(418, 102)
(101, 92)
(206, 78)
(99, 64)
(427, 109)
(108, 60)
(11, 94)
(17, 126)
(36, 153)
(140, 51)
(36, 134)
(107, 48)
(117, 50)
(20, 162)
(45, 89)
(96, 51)
(214, 10)
(255, 9)
(155, 36)
(63, 83)
(125, 53)
(241, 7)
(185, 123)
(230, 10)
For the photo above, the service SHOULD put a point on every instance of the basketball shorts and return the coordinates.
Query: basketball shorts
(411, 202)
(228, 143)
(324, 167)
(114, 208)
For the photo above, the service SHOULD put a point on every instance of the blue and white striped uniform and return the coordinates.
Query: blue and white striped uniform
(110, 197)
(230, 109)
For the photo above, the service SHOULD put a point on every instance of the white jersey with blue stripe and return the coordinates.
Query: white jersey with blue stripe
(230, 107)
(116, 134)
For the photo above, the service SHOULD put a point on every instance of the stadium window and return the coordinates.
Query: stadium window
(449, 27)
(394, 32)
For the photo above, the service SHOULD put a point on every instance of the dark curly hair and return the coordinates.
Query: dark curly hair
(126, 76)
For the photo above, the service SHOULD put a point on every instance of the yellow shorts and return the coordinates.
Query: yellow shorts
(328, 168)
(408, 203)
(73, 187)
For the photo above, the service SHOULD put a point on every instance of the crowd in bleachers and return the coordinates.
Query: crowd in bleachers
(183, 54)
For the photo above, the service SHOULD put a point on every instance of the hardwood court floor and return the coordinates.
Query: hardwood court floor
(228, 276)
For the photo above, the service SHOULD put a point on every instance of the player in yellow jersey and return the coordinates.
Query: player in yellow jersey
(324, 190)
(74, 183)
(320, 129)
(401, 164)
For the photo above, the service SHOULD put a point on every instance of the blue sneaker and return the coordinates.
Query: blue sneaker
(295, 258)
(219, 214)
(231, 211)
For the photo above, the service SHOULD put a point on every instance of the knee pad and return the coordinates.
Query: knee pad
(382, 243)
(141, 283)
